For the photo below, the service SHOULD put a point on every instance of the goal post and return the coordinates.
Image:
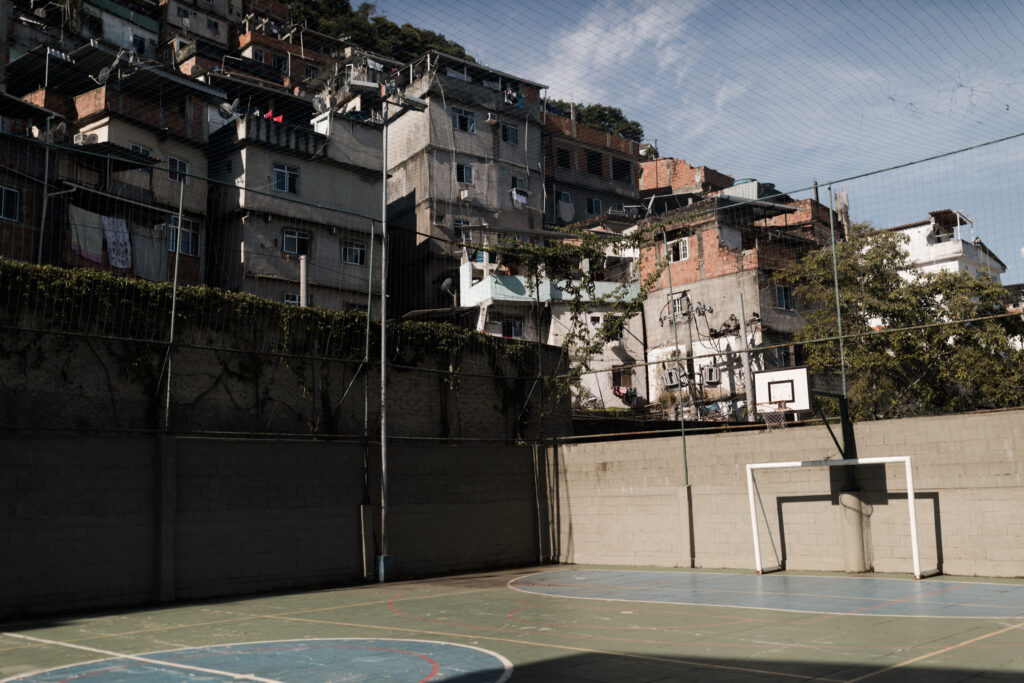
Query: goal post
(905, 459)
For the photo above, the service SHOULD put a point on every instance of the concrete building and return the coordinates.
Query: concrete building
(946, 241)
(287, 192)
(465, 170)
(717, 248)
(587, 173)
(137, 136)
(121, 27)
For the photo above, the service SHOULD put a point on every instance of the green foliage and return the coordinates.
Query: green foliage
(921, 344)
(370, 31)
(560, 263)
(604, 118)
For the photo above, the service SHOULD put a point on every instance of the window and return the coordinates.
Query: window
(311, 71)
(177, 170)
(280, 62)
(212, 26)
(353, 252)
(141, 151)
(463, 120)
(783, 356)
(783, 297)
(595, 163)
(509, 134)
(182, 13)
(680, 304)
(94, 25)
(10, 201)
(292, 299)
(286, 178)
(512, 326)
(679, 250)
(622, 376)
(258, 55)
(189, 236)
(464, 173)
(462, 233)
(518, 183)
(621, 169)
(593, 206)
(139, 44)
(565, 197)
(564, 158)
(296, 242)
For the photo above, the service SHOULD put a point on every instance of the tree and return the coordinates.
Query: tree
(372, 32)
(915, 343)
(603, 118)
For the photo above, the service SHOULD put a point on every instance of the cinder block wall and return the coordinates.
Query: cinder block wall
(624, 502)
(103, 522)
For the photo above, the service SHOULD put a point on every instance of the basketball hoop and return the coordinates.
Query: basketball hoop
(774, 414)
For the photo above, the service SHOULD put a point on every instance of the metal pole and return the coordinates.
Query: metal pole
(914, 547)
(303, 292)
(748, 377)
(753, 519)
(383, 338)
(835, 280)
(675, 335)
(174, 303)
(46, 178)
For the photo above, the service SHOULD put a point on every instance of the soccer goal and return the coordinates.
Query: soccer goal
(835, 463)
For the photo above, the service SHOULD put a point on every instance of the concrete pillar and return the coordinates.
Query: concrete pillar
(853, 520)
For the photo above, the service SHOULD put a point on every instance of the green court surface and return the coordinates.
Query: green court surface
(572, 624)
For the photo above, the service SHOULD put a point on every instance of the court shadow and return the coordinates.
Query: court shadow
(869, 496)
(643, 668)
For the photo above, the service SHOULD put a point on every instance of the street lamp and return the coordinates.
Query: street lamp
(389, 96)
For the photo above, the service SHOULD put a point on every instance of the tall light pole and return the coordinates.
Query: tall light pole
(385, 562)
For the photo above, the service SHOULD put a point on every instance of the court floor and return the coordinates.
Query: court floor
(574, 624)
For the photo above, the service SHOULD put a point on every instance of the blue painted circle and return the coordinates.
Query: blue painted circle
(296, 661)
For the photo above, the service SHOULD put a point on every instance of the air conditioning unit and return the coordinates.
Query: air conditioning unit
(86, 138)
(184, 21)
(465, 195)
(492, 120)
(711, 374)
(671, 378)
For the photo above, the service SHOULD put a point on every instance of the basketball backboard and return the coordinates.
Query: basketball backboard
(789, 385)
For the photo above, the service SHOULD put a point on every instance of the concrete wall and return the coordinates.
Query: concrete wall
(625, 502)
(104, 522)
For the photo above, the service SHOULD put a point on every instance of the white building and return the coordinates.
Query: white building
(946, 241)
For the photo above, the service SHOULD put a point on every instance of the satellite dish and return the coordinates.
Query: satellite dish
(319, 105)
(448, 285)
(103, 76)
(196, 69)
(60, 129)
(227, 111)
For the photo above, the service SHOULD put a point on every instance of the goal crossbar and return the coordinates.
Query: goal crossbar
(905, 459)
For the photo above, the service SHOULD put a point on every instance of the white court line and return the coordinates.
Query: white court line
(135, 658)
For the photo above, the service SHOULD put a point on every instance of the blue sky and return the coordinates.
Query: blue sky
(790, 92)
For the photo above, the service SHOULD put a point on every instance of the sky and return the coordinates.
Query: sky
(790, 92)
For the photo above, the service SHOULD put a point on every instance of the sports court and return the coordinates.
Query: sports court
(553, 623)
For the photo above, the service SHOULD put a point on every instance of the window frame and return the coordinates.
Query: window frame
(594, 206)
(464, 120)
(190, 228)
(622, 169)
(175, 172)
(595, 163)
(286, 172)
(681, 248)
(277, 58)
(519, 183)
(564, 197)
(509, 325)
(353, 246)
(5, 212)
(563, 154)
(298, 238)
(311, 71)
(259, 56)
(784, 295)
(464, 173)
(510, 133)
